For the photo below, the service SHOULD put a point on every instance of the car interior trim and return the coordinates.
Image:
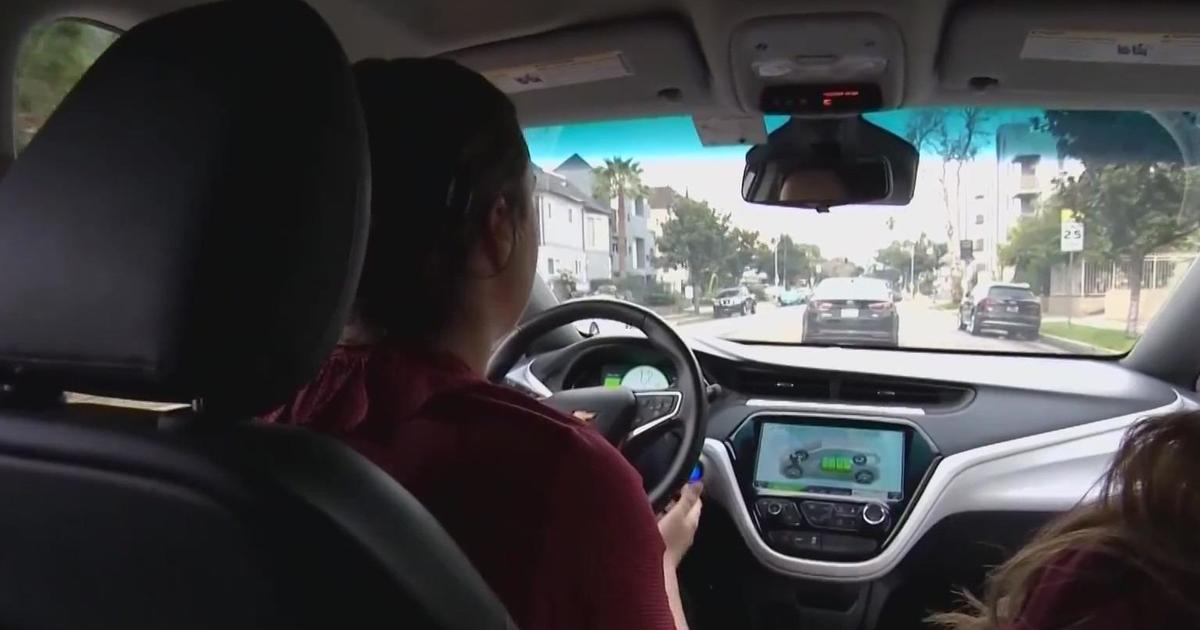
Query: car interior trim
(833, 407)
(1049, 471)
(522, 376)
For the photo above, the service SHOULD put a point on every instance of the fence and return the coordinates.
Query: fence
(1159, 271)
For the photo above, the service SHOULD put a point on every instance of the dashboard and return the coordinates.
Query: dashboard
(840, 473)
(637, 367)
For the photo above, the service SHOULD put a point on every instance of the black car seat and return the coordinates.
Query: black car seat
(189, 226)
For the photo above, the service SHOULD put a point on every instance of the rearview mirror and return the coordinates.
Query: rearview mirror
(825, 162)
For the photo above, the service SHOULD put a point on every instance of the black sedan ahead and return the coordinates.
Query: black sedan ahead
(1012, 308)
(852, 311)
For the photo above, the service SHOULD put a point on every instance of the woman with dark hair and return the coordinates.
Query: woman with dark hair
(1131, 559)
(551, 515)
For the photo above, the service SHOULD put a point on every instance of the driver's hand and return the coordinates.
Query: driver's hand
(678, 524)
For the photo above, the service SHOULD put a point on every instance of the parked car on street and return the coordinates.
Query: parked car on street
(852, 310)
(734, 301)
(794, 296)
(1008, 307)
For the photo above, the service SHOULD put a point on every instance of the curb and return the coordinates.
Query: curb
(687, 319)
(1070, 345)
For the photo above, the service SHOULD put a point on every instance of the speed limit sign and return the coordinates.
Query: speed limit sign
(1071, 236)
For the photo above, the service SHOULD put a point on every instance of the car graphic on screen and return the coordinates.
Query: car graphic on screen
(817, 461)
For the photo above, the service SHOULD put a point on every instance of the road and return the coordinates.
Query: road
(921, 326)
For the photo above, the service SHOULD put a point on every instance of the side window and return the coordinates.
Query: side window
(52, 58)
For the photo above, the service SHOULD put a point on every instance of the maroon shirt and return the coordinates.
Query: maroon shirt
(550, 513)
(1091, 590)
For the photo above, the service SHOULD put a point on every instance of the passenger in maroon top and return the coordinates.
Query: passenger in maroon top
(551, 515)
(1130, 559)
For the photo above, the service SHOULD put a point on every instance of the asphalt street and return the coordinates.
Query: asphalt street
(921, 326)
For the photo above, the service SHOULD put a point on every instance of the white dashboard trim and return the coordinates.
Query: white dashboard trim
(1049, 471)
(523, 376)
(834, 407)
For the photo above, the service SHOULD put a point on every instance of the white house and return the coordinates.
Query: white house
(573, 232)
(661, 200)
(639, 240)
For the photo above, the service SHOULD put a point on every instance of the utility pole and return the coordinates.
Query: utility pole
(912, 271)
(777, 243)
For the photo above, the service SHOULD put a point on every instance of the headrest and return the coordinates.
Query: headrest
(190, 223)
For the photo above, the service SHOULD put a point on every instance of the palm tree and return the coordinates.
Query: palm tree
(619, 178)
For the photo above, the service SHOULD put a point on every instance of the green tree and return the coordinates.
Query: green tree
(742, 249)
(694, 238)
(1131, 210)
(1131, 194)
(798, 261)
(50, 62)
(840, 268)
(1033, 249)
(899, 256)
(955, 136)
(620, 179)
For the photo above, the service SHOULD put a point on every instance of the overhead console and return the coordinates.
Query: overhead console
(818, 64)
(1060, 55)
(829, 487)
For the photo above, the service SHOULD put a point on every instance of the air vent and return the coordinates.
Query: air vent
(783, 385)
(833, 387)
(884, 392)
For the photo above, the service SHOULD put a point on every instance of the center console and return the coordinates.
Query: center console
(829, 488)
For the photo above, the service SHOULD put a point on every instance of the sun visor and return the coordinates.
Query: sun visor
(1093, 55)
(619, 69)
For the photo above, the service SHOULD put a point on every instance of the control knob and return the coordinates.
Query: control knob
(874, 513)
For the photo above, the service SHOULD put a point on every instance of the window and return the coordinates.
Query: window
(1028, 163)
(550, 266)
(979, 219)
(1027, 205)
(52, 59)
(978, 244)
(639, 256)
(578, 268)
(570, 215)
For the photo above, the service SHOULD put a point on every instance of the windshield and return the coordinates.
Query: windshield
(1088, 209)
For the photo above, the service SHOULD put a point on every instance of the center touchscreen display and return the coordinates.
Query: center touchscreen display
(803, 459)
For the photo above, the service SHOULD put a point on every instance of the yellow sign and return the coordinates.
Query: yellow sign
(1067, 215)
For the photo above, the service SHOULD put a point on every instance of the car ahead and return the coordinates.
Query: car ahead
(794, 296)
(857, 310)
(1008, 307)
(734, 301)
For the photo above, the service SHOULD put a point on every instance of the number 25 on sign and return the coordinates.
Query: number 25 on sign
(1071, 236)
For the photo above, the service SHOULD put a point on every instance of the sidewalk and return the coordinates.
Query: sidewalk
(1091, 334)
(688, 316)
(1095, 321)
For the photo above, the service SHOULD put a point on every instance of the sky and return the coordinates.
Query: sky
(670, 154)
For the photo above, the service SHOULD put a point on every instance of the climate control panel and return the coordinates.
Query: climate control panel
(844, 530)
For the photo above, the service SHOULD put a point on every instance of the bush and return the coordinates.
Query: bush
(660, 298)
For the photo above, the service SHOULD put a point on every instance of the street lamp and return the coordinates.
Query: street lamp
(912, 271)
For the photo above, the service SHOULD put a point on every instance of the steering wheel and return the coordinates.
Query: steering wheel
(628, 420)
